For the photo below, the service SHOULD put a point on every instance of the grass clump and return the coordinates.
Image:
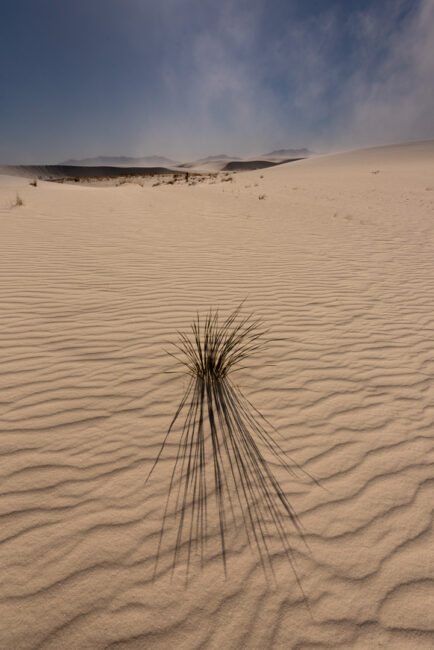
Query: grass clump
(18, 202)
(221, 480)
(215, 348)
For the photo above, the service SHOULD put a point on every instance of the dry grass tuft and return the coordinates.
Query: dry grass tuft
(215, 348)
(221, 481)
(18, 202)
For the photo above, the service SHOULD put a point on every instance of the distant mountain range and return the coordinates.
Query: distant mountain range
(219, 156)
(122, 161)
(288, 153)
(162, 161)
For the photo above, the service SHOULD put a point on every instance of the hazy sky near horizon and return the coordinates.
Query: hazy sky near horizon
(188, 78)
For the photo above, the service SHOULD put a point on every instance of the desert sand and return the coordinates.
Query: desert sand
(336, 255)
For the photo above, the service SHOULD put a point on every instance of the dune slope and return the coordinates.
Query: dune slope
(335, 254)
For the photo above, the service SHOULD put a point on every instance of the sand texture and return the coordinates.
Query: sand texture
(336, 255)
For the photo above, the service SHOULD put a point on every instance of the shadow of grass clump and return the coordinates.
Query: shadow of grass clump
(220, 474)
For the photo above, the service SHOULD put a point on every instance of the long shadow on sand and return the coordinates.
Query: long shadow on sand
(221, 480)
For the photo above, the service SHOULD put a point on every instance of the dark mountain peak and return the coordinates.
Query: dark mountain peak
(287, 153)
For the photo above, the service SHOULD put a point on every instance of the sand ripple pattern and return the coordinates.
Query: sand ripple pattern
(94, 284)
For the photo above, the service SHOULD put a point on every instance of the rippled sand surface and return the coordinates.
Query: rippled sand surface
(338, 260)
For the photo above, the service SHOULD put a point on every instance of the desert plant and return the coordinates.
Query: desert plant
(34, 182)
(18, 201)
(222, 447)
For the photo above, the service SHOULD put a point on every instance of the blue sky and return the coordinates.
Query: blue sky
(187, 78)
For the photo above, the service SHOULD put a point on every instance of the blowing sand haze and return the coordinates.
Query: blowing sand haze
(96, 282)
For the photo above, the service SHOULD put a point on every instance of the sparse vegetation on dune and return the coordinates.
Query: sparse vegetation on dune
(220, 467)
(18, 201)
(178, 178)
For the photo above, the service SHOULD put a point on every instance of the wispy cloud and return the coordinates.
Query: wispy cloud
(365, 77)
(332, 80)
(215, 95)
(393, 100)
(190, 78)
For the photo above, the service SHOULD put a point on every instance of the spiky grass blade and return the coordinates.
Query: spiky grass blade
(220, 467)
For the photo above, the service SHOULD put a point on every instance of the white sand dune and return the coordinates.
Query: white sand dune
(338, 259)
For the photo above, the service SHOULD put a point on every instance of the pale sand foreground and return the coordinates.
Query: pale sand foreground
(339, 262)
